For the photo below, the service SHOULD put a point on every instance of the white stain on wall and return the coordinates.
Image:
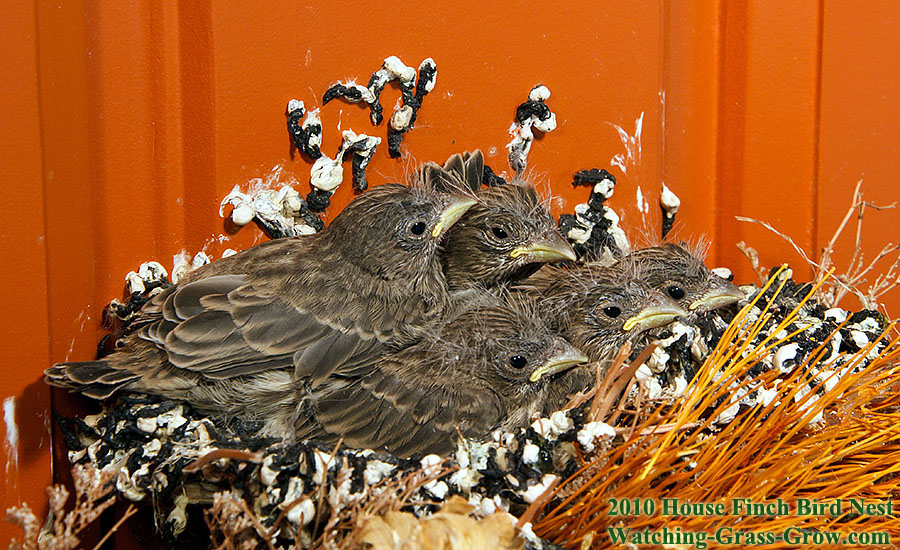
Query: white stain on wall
(12, 437)
(631, 158)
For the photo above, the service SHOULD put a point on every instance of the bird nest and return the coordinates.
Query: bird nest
(778, 399)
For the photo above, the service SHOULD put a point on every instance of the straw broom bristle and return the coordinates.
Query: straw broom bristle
(769, 452)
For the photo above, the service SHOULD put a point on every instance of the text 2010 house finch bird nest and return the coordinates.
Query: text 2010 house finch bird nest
(415, 375)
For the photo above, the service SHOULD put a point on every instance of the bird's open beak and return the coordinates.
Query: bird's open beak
(566, 357)
(657, 315)
(548, 249)
(452, 213)
(717, 297)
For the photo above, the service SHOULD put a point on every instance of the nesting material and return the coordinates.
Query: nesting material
(803, 330)
(451, 527)
(157, 450)
(532, 114)
(820, 429)
(594, 228)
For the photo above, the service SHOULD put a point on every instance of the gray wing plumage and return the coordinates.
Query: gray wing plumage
(223, 326)
(401, 406)
(217, 328)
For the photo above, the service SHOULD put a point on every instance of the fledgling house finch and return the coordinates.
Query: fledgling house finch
(504, 237)
(492, 367)
(307, 305)
(672, 269)
(597, 309)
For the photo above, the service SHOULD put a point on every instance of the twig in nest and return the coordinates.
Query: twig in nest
(231, 519)
(533, 508)
(853, 277)
(63, 526)
(656, 429)
(130, 511)
(753, 256)
(616, 384)
(218, 454)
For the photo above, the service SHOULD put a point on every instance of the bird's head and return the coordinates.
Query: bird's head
(509, 347)
(599, 308)
(611, 314)
(681, 274)
(507, 235)
(394, 230)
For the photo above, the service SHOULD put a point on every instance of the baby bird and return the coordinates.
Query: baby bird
(492, 367)
(597, 309)
(308, 305)
(671, 269)
(504, 237)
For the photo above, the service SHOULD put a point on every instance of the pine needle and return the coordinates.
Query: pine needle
(771, 451)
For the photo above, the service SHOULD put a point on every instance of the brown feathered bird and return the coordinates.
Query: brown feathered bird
(672, 269)
(506, 236)
(492, 367)
(307, 305)
(597, 309)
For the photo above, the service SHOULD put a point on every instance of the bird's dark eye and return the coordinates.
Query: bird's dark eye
(612, 311)
(499, 232)
(418, 228)
(675, 292)
(517, 362)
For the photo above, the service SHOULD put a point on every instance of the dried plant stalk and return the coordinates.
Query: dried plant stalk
(852, 279)
(61, 531)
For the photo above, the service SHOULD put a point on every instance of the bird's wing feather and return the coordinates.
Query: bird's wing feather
(405, 407)
(223, 326)
(458, 175)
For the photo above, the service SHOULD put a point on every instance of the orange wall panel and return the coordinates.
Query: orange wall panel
(25, 447)
(767, 131)
(859, 137)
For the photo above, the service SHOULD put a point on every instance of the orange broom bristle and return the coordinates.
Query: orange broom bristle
(771, 451)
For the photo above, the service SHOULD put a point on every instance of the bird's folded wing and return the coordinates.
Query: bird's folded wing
(222, 327)
(459, 174)
(404, 408)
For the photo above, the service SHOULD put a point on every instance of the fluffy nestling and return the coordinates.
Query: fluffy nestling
(680, 274)
(309, 305)
(597, 309)
(504, 237)
(492, 367)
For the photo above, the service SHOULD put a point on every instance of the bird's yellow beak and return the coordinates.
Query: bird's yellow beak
(548, 249)
(654, 316)
(452, 213)
(565, 357)
(717, 297)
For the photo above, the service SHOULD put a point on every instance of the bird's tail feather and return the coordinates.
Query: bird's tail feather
(97, 379)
